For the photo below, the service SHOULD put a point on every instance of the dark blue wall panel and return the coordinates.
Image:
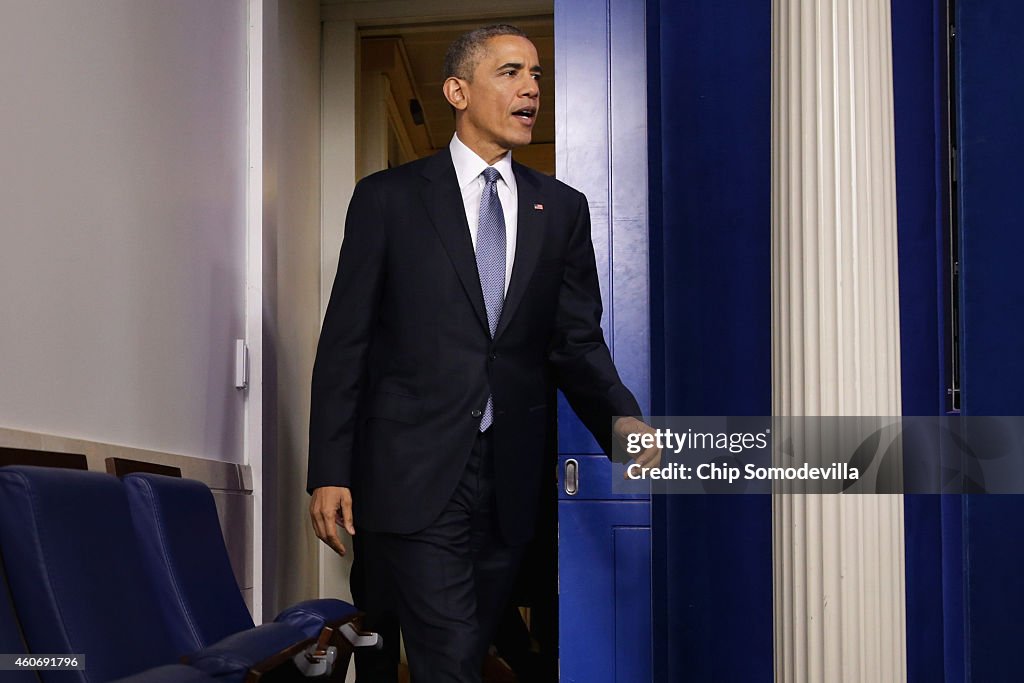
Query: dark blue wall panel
(953, 609)
(991, 151)
(921, 148)
(919, 65)
(990, 61)
(711, 323)
(993, 529)
(964, 558)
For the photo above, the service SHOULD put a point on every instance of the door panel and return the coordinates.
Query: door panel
(601, 144)
(632, 562)
(604, 584)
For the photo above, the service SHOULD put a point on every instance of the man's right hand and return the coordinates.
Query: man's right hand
(329, 507)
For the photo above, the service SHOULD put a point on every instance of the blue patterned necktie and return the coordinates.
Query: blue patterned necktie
(490, 262)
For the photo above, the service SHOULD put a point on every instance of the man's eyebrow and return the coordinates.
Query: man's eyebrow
(519, 65)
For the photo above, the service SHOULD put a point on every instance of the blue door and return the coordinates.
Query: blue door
(604, 540)
(604, 555)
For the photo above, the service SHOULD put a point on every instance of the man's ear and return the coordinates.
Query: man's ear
(455, 93)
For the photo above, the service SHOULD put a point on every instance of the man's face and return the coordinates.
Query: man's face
(500, 104)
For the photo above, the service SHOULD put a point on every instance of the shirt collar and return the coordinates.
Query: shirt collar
(469, 166)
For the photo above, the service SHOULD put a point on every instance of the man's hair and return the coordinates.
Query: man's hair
(464, 54)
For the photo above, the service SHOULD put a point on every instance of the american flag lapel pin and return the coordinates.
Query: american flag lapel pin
(538, 207)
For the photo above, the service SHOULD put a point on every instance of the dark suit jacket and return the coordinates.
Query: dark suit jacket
(405, 362)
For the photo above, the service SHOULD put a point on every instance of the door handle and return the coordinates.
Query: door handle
(572, 477)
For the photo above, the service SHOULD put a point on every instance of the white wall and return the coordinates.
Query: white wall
(291, 285)
(122, 220)
(339, 142)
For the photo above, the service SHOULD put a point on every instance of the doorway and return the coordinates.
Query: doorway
(402, 113)
(382, 107)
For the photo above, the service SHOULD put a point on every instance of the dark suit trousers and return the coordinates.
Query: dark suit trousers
(376, 600)
(450, 581)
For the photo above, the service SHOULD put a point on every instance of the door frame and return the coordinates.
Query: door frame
(252, 360)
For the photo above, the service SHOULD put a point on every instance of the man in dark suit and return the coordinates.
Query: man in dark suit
(466, 293)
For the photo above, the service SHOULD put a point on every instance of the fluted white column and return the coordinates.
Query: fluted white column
(839, 570)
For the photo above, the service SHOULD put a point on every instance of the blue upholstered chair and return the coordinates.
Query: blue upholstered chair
(11, 641)
(177, 524)
(79, 585)
(171, 673)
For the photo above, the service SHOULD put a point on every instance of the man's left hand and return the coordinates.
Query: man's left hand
(624, 427)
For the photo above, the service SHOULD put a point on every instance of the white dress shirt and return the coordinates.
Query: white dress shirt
(468, 170)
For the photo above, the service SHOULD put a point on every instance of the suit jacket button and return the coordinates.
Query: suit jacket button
(477, 413)
(493, 356)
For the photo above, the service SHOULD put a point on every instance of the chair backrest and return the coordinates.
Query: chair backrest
(76, 575)
(179, 532)
(11, 640)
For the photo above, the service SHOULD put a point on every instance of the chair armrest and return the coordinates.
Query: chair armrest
(248, 654)
(342, 619)
(171, 673)
(311, 616)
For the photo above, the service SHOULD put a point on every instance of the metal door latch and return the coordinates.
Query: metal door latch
(572, 477)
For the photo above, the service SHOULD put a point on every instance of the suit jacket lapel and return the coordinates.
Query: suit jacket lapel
(529, 240)
(445, 207)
